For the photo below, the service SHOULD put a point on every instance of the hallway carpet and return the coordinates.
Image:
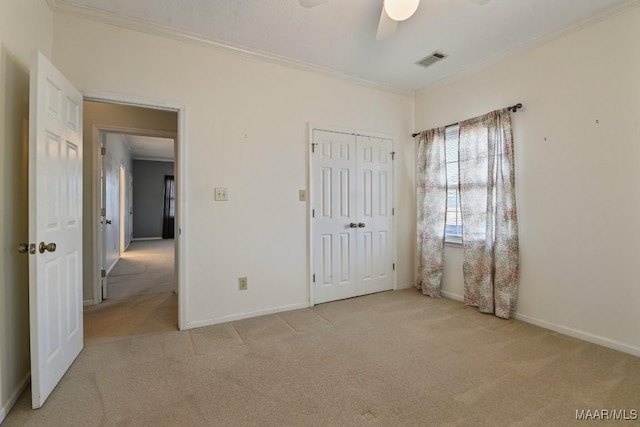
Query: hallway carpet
(141, 297)
(146, 267)
(394, 358)
(128, 317)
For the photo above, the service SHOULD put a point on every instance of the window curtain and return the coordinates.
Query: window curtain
(168, 215)
(489, 219)
(431, 192)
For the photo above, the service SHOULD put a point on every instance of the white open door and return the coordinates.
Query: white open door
(55, 226)
(102, 231)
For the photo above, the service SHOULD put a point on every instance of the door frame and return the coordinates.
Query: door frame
(310, 195)
(179, 137)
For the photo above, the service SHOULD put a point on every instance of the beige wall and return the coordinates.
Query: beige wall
(246, 124)
(102, 115)
(25, 26)
(577, 156)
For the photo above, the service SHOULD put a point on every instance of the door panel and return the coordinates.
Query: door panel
(55, 218)
(366, 255)
(345, 258)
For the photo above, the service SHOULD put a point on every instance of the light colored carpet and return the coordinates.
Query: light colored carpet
(394, 358)
(141, 298)
(146, 267)
(136, 315)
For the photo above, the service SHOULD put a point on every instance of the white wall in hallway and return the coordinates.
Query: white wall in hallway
(246, 130)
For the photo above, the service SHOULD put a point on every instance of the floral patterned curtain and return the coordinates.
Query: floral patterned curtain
(489, 219)
(431, 182)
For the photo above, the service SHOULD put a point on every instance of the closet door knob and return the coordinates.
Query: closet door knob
(361, 225)
(353, 225)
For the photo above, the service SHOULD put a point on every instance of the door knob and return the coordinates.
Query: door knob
(51, 247)
(108, 221)
(361, 225)
(23, 248)
(352, 225)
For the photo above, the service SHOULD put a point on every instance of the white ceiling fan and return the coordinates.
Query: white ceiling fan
(393, 11)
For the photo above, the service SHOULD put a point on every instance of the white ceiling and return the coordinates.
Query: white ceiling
(149, 148)
(340, 35)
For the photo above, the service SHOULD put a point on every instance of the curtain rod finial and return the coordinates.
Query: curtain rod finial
(515, 108)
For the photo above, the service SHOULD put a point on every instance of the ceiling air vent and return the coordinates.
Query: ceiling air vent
(431, 59)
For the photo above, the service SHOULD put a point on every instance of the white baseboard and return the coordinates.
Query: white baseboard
(13, 399)
(233, 317)
(585, 336)
(87, 302)
(406, 286)
(113, 265)
(565, 330)
(145, 238)
(451, 295)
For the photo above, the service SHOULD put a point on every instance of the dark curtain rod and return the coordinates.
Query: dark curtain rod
(512, 108)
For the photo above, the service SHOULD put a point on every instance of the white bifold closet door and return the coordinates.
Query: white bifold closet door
(352, 219)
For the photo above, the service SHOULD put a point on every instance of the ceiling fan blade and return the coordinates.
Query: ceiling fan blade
(386, 26)
(480, 2)
(312, 3)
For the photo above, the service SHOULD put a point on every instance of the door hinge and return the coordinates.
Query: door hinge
(314, 278)
(393, 155)
(393, 211)
(313, 213)
(394, 266)
(313, 147)
(103, 150)
(103, 273)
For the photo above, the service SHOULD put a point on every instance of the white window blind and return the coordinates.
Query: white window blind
(453, 229)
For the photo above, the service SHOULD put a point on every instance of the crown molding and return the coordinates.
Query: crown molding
(109, 18)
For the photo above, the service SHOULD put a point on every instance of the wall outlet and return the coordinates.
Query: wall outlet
(242, 283)
(221, 194)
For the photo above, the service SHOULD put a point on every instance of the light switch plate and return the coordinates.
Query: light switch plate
(302, 195)
(221, 194)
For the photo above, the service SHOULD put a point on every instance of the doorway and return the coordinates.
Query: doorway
(352, 243)
(126, 279)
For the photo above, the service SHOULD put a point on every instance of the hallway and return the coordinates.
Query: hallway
(147, 267)
(141, 298)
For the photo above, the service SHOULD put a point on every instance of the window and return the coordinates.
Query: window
(168, 216)
(453, 228)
